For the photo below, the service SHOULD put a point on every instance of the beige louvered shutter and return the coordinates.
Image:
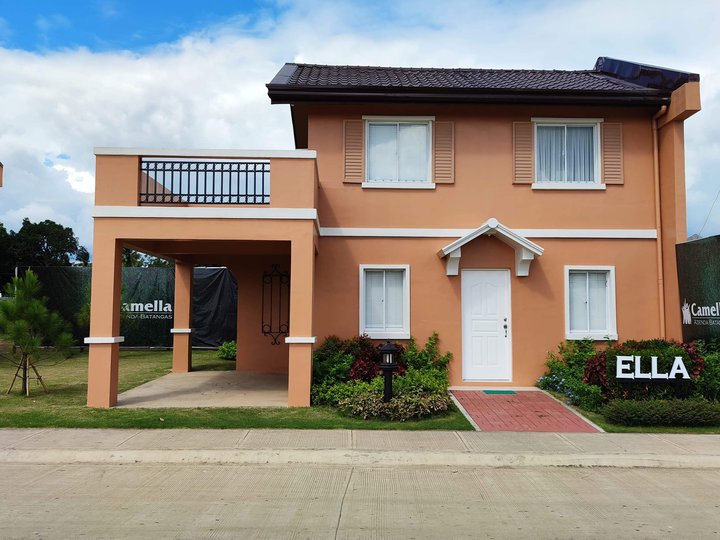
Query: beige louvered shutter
(353, 154)
(612, 153)
(443, 152)
(523, 163)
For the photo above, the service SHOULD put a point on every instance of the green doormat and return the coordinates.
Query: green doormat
(499, 392)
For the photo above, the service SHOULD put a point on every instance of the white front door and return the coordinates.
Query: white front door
(486, 325)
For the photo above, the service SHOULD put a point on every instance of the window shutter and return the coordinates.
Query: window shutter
(444, 152)
(523, 164)
(612, 153)
(353, 151)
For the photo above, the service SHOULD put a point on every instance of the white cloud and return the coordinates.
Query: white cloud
(208, 89)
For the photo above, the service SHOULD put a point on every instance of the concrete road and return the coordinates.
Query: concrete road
(324, 501)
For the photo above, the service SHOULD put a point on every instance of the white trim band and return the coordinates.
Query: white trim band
(181, 330)
(309, 340)
(569, 186)
(103, 340)
(455, 233)
(204, 153)
(398, 185)
(395, 118)
(202, 212)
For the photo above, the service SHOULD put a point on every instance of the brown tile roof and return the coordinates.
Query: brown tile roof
(312, 75)
(611, 81)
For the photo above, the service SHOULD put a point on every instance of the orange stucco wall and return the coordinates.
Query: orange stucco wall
(255, 350)
(537, 301)
(483, 185)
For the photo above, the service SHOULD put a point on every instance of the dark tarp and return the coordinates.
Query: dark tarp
(147, 298)
(698, 265)
(214, 307)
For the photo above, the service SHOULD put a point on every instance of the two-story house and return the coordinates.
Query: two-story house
(508, 210)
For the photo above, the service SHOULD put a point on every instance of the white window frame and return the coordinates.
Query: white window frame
(395, 120)
(611, 311)
(374, 334)
(596, 184)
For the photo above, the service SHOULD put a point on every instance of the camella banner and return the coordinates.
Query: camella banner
(698, 264)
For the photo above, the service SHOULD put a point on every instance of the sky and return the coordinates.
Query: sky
(190, 74)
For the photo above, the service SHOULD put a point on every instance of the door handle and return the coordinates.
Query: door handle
(505, 326)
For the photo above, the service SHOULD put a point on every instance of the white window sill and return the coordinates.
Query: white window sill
(596, 336)
(386, 335)
(399, 185)
(569, 185)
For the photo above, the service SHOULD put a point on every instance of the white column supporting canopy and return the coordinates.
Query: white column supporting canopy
(525, 250)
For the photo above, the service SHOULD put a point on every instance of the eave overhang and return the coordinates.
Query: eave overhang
(525, 250)
(282, 94)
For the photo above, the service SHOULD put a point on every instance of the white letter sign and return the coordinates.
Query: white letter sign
(623, 369)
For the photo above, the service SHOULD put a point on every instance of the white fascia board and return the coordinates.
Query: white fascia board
(181, 330)
(303, 340)
(103, 340)
(202, 212)
(589, 233)
(492, 226)
(204, 153)
(393, 232)
(381, 232)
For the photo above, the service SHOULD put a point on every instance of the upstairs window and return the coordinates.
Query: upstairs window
(398, 152)
(567, 153)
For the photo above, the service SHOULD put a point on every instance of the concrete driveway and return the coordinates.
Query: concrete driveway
(209, 389)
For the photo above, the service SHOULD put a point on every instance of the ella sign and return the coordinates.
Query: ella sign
(629, 367)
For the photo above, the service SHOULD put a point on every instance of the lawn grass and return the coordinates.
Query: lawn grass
(65, 405)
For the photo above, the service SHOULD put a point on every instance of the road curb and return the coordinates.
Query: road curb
(359, 458)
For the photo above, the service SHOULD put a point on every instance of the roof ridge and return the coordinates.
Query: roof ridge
(453, 69)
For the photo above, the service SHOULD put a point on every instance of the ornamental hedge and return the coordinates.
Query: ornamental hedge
(586, 374)
(346, 375)
(601, 370)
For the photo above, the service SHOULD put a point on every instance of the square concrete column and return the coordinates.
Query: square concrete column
(104, 340)
(302, 272)
(182, 318)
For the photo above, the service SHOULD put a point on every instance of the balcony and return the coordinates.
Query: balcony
(231, 178)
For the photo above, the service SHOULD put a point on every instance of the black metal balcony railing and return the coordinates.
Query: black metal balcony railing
(170, 181)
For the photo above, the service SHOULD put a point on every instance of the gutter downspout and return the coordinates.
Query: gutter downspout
(658, 220)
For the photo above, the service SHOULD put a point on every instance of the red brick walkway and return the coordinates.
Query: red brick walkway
(523, 411)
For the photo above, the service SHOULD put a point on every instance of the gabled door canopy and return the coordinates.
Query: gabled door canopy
(525, 250)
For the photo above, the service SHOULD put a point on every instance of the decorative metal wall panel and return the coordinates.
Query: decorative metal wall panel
(276, 304)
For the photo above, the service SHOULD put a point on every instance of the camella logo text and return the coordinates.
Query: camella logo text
(701, 314)
(157, 309)
(156, 306)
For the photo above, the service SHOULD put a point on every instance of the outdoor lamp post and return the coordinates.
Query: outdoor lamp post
(388, 365)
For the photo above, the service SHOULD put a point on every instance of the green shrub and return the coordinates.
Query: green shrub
(565, 374)
(663, 412)
(228, 350)
(601, 370)
(330, 393)
(417, 381)
(332, 362)
(369, 404)
(708, 384)
(427, 357)
(708, 346)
